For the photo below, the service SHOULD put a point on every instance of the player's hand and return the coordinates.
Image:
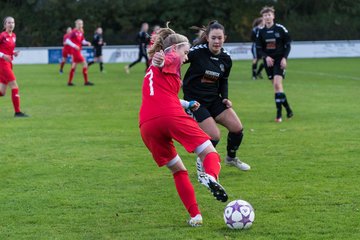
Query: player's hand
(269, 61)
(7, 57)
(158, 59)
(227, 103)
(89, 43)
(194, 105)
(16, 53)
(283, 63)
(77, 48)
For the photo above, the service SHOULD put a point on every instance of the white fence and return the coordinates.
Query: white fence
(238, 51)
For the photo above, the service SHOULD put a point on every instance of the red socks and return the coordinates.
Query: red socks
(212, 165)
(15, 97)
(62, 66)
(186, 192)
(85, 73)
(71, 75)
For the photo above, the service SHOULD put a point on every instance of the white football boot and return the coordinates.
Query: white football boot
(216, 189)
(237, 163)
(196, 221)
(199, 167)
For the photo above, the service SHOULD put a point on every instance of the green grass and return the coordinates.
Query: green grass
(77, 168)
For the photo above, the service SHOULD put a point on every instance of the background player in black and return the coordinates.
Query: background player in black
(256, 73)
(273, 44)
(206, 81)
(98, 43)
(143, 38)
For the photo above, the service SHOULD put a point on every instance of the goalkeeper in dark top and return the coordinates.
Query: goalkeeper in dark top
(98, 43)
(273, 45)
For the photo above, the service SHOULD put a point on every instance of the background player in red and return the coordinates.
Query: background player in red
(66, 51)
(7, 77)
(153, 35)
(76, 40)
(163, 120)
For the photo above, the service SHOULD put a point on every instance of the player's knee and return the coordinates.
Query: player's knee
(2, 94)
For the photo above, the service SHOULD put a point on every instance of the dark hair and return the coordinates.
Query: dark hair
(214, 24)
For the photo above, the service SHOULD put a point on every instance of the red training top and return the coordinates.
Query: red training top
(77, 36)
(160, 90)
(7, 44)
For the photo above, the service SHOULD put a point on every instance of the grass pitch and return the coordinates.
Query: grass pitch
(77, 168)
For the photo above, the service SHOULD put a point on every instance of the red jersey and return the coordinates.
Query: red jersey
(66, 36)
(160, 90)
(77, 37)
(7, 43)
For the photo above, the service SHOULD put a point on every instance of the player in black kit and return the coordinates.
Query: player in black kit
(273, 44)
(98, 43)
(143, 38)
(206, 81)
(256, 73)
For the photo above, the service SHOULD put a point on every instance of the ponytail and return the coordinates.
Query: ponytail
(165, 38)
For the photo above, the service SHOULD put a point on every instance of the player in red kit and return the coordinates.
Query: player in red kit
(162, 119)
(7, 77)
(76, 40)
(66, 51)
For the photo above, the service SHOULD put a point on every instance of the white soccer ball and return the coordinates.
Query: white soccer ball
(239, 214)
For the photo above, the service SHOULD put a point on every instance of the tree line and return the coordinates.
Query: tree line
(43, 22)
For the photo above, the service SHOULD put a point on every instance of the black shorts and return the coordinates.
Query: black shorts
(208, 110)
(275, 69)
(97, 52)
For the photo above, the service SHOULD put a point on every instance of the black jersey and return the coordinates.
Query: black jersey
(143, 38)
(254, 32)
(207, 76)
(98, 41)
(274, 41)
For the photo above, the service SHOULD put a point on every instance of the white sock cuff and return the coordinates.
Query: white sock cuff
(202, 147)
(173, 161)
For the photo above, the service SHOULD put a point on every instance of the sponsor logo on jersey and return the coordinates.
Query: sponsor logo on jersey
(214, 58)
(222, 67)
(210, 77)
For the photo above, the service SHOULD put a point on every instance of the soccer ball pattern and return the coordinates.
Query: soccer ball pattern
(239, 214)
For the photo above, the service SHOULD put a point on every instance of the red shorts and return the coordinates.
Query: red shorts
(77, 57)
(6, 72)
(158, 135)
(66, 52)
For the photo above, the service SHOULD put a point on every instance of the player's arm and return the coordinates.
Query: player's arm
(223, 82)
(71, 44)
(85, 43)
(287, 43)
(158, 59)
(192, 105)
(5, 57)
(259, 45)
(287, 48)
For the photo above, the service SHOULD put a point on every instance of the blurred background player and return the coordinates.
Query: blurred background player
(153, 35)
(98, 43)
(273, 45)
(162, 119)
(66, 51)
(206, 81)
(143, 39)
(7, 53)
(257, 24)
(76, 40)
